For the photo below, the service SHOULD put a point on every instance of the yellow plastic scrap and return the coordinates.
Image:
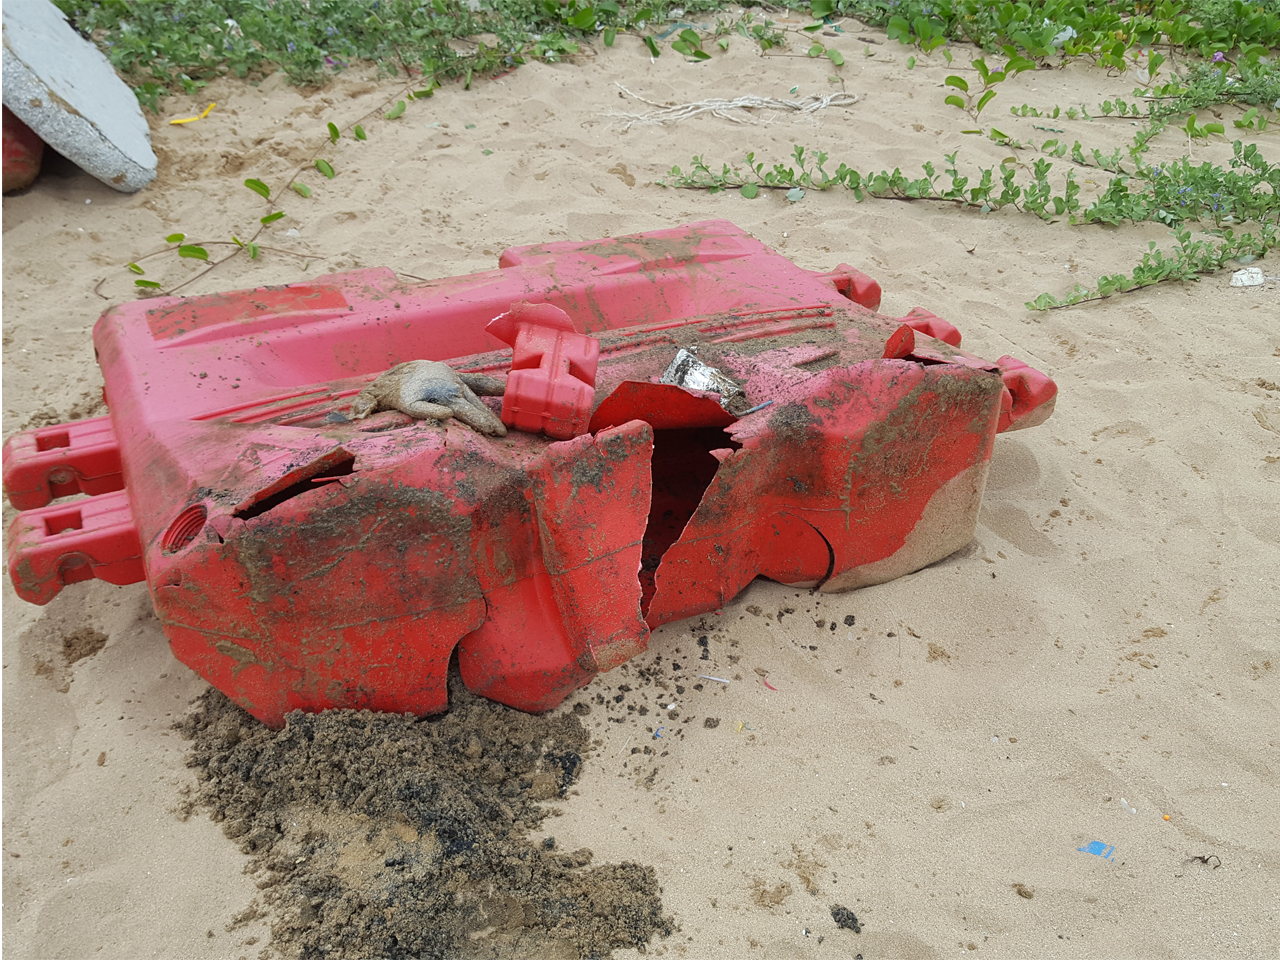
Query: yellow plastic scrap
(200, 117)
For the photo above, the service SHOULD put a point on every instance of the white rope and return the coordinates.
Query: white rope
(735, 109)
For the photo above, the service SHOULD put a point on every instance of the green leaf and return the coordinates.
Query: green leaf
(423, 93)
(701, 55)
(1214, 128)
(237, 241)
(750, 190)
(326, 168)
(835, 56)
(679, 46)
(193, 252)
(691, 38)
(486, 152)
(911, 63)
(984, 100)
(272, 217)
(146, 283)
(821, 8)
(258, 187)
(395, 111)
(954, 101)
(960, 83)
(253, 251)
(136, 269)
(723, 43)
(817, 50)
(653, 47)
(301, 189)
(795, 194)
(175, 238)
(359, 132)
(584, 19)
(333, 133)
(610, 34)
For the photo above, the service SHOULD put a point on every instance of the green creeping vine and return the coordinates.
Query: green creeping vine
(1115, 35)
(1177, 194)
(992, 190)
(176, 242)
(161, 46)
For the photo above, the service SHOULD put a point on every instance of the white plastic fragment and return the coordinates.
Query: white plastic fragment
(1061, 37)
(1248, 277)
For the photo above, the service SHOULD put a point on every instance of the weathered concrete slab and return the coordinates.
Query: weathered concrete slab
(62, 87)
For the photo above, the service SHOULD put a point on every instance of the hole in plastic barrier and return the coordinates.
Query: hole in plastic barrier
(683, 469)
(71, 520)
(184, 528)
(306, 479)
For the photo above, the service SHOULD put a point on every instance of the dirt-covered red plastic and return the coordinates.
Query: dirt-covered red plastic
(298, 558)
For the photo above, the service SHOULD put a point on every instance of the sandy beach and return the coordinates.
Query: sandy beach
(941, 765)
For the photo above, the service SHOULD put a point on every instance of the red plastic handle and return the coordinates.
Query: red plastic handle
(69, 542)
(551, 387)
(1029, 395)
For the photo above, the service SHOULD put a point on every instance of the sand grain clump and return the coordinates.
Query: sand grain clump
(381, 835)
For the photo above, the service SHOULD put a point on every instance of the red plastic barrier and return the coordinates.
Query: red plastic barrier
(301, 559)
(23, 153)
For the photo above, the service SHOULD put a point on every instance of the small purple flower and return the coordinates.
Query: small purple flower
(1219, 57)
(291, 47)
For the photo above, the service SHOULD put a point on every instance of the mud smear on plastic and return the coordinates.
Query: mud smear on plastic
(381, 835)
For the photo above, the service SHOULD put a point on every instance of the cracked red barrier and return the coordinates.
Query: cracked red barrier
(301, 559)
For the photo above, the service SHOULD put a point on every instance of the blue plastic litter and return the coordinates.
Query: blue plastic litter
(1098, 849)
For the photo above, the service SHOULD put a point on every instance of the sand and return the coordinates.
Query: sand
(934, 766)
(389, 835)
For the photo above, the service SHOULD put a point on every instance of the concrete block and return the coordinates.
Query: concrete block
(62, 87)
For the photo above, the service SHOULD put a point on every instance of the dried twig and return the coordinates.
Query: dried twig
(735, 109)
